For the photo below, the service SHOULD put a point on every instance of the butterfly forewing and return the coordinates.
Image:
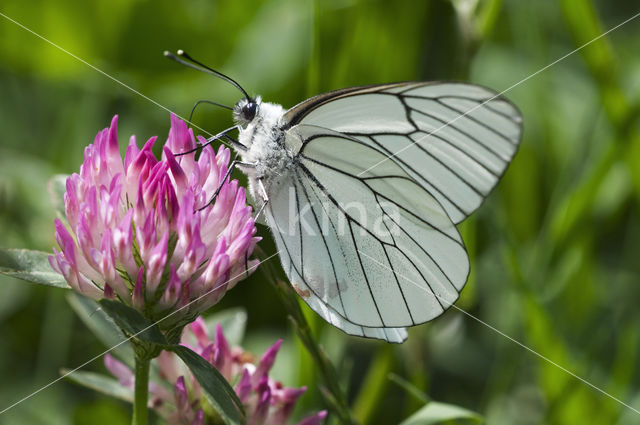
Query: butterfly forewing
(454, 139)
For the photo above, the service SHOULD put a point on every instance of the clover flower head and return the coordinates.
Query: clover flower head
(143, 231)
(266, 401)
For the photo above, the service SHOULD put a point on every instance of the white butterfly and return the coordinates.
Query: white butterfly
(362, 189)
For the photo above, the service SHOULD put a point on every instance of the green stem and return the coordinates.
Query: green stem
(333, 394)
(140, 410)
(374, 386)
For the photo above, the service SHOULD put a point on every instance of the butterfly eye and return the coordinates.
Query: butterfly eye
(249, 111)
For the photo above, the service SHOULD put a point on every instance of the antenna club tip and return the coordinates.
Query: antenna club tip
(180, 52)
(166, 53)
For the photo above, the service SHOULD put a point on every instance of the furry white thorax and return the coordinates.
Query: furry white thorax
(264, 139)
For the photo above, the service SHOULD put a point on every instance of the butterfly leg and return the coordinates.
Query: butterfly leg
(236, 144)
(265, 199)
(235, 163)
(211, 139)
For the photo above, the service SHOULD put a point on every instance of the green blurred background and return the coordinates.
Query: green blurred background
(554, 249)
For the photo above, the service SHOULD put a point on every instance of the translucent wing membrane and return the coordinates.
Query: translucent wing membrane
(454, 139)
(370, 252)
(365, 223)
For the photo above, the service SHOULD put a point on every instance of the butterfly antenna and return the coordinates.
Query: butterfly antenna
(192, 63)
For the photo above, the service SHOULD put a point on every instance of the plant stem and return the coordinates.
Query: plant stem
(140, 410)
(374, 386)
(333, 394)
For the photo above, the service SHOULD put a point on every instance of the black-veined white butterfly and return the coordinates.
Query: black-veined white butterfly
(363, 187)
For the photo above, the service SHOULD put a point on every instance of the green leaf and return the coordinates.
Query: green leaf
(102, 326)
(434, 413)
(57, 186)
(32, 266)
(132, 322)
(233, 322)
(409, 387)
(101, 383)
(217, 390)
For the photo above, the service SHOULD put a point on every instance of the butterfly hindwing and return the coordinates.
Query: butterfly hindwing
(316, 271)
(371, 253)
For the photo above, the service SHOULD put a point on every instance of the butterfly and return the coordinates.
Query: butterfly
(362, 189)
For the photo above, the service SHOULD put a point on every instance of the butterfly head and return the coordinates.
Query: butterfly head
(246, 110)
